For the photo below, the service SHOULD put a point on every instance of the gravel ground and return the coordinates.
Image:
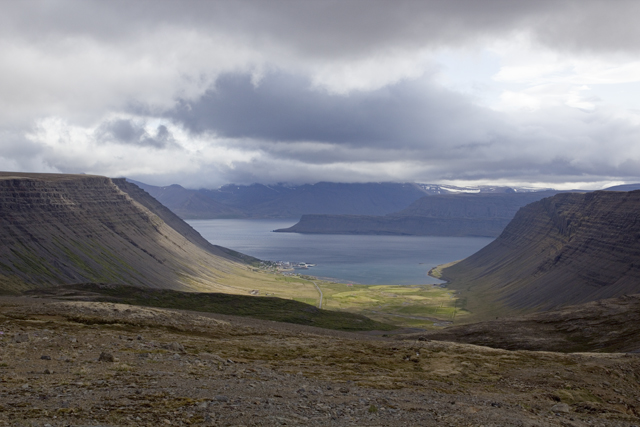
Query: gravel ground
(104, 364)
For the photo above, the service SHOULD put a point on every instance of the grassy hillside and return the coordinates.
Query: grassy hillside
(266, 308)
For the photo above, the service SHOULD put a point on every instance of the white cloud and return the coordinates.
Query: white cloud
(560, 79)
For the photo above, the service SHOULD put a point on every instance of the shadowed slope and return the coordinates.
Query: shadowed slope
(610, 325)
(567, 249)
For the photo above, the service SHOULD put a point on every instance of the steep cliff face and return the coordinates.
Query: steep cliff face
(483, 215)
(567, 249)
(61, 229)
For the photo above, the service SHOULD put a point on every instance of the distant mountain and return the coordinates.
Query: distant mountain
(190, 204)
(460, 214)
(282, 201)
(64, 229)
(567, 249)
(291, 201)
(625, 187)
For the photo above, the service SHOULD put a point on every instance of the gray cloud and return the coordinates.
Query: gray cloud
(124, 131)
(270, 114)
(440, 134)
(285, 108)
(337, 27)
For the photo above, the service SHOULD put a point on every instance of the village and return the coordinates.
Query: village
(287, 268)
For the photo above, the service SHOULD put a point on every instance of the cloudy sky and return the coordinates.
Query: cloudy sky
(203, 93)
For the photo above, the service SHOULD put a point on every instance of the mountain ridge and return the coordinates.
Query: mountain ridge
(571, 248)
(62, 229)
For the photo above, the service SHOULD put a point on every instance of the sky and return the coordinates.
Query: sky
(205, 93)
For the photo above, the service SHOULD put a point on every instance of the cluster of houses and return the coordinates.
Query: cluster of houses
(285, 265)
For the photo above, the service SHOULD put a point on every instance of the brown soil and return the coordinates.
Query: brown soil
(88, 363)
(609, 325)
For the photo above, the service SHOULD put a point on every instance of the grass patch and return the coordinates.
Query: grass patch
(416, 306)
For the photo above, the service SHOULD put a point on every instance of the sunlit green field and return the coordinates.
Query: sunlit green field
(410, 306)
(416, 306)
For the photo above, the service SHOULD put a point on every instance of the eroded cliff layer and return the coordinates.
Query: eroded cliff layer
(62, 229)
(567, 249)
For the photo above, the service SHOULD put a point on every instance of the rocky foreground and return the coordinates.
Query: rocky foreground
(86, 363)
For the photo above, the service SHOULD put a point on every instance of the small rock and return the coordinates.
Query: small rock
(222, 398)
(139, 337)
(560, 407)
(47, 372)
(18, 338)
(45, 357)
(174, 346)
(343, 390)
(106, 357)
(144, 355)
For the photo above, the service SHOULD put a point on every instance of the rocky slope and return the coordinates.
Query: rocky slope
(90, 364)
(609, 325)
(59, 229)
(483, 214)
(568, 249)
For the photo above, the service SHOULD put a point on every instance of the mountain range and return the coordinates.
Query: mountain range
(291, 201)
(284, 201)
(461, 214)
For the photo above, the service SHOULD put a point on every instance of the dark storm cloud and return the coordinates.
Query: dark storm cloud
(338, 27)
(123, 131)
(412, 122)
(285, 108)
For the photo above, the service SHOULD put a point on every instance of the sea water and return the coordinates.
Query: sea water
(359, 259)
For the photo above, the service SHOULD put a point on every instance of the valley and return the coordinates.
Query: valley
(117, 312)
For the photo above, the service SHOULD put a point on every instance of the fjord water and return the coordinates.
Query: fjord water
(378, 260)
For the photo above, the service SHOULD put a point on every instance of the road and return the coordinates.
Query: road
(320, 292)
